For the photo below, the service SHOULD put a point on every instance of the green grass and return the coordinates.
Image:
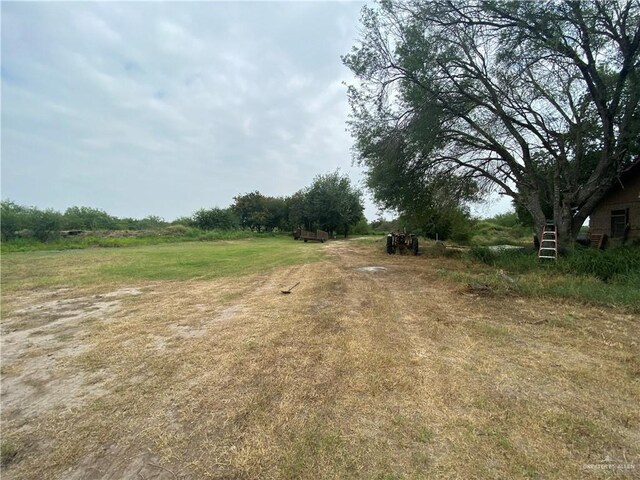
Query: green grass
(138, 239)
(611, 277)
(178, 261)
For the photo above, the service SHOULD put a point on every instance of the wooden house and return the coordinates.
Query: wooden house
(618, 214)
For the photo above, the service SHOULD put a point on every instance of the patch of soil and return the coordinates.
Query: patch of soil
(37, 342)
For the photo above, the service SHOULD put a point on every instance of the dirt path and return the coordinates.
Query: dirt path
(361, 372)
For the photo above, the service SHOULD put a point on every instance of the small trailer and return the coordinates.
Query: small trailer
(317, 236)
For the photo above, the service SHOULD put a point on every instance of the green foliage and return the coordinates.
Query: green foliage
(503, 229)
(13, 218)
(186, 221)
(258, 212)
(606, 265)
(610, 277)
(298, 214)
(446, 223)
(87, 218)
(381, 225)
(507, 219)
(45, 224)
(333, 204)
(149, 222)
(362, 228)
(438, 116)
(216, 219)
(613, 265)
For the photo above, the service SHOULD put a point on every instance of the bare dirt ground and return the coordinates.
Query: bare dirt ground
(360, 372)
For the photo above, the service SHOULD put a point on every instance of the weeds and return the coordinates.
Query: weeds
(616, 263)
(609, 277)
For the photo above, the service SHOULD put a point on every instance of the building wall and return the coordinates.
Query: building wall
(619, 199)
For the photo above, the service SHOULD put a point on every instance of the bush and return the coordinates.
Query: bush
(362, 228)
(12, 219)
(461, 229)
(45, 224)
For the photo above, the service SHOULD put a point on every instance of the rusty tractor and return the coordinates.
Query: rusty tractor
(402, 243)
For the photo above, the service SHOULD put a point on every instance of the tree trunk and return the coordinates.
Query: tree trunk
(563, 220)
(532, 203)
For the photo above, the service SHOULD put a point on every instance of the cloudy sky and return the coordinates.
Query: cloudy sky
(145, 108)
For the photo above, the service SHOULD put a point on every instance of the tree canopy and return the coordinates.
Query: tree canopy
(332, 203)
(259, 212)
(537, 100)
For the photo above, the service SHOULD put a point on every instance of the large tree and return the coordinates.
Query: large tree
(332, 203)
(538, 100)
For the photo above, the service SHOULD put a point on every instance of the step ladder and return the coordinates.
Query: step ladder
(549, 242)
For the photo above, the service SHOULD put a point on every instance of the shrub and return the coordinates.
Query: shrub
(12, 219)
(45, 224)
(362, 228)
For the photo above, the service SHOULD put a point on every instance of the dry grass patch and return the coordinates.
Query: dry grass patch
(393, 373)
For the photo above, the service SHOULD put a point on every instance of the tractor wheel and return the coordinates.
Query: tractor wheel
(389, 245)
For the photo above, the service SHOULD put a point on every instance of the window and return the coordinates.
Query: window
(619, 220)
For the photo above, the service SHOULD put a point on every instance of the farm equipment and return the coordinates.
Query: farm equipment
(402, 243)
(317, 236)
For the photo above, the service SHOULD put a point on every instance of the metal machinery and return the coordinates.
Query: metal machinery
(402, 243)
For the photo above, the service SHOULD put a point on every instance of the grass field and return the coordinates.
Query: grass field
(185, 361)
(180, 261)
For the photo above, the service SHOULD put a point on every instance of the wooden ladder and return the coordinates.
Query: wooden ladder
(549, 242)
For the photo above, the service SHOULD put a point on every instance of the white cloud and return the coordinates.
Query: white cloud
(163, 108)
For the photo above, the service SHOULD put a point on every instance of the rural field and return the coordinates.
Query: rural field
(185, 361)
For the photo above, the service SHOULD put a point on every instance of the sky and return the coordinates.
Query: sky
(163, 108)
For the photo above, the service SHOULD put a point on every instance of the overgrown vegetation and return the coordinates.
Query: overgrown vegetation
(609, 277)
(502, 229)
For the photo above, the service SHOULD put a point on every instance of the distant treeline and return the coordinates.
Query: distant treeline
(21, 221)
(331, 203)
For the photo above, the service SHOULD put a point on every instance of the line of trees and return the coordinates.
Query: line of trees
(18, 220)
(331, 203)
